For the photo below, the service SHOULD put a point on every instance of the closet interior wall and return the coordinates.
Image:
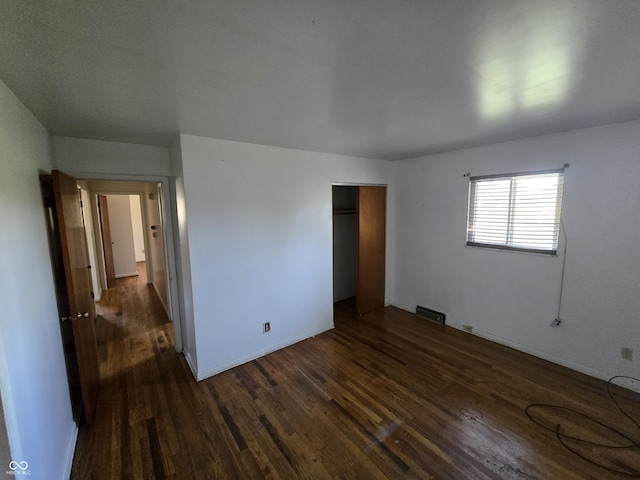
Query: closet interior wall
(345, 241)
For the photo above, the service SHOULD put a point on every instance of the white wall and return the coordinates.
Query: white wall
(513, 297)
(33, 380)
(124, 258)
(83, 158)
(260, 244)
(136, 224)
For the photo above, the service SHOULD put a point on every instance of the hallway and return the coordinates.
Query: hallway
(137, 362)
(132, 325)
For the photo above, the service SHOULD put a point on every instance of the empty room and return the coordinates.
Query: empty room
(389, 239)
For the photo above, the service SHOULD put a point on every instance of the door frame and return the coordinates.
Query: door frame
(171, 253)
(97, 205)
(103, 243)
(386, 231)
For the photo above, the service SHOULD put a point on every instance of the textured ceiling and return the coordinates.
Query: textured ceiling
(381, 79)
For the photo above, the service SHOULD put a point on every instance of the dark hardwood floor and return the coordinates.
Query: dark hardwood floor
(386, 395)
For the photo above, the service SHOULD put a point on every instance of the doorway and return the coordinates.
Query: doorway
(66, 227)
(123, 235)
(359, 243)
(130, 233)
(159, 297)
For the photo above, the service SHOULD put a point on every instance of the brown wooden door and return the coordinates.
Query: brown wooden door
(372, 203)
(78, 284)
(107, 244)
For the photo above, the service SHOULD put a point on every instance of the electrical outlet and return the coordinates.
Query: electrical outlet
(467, 328)
(266, 327)
(626, 353)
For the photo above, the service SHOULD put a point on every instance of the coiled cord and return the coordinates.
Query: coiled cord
(629, 444)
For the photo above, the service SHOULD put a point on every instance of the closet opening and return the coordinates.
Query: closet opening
(359, 243)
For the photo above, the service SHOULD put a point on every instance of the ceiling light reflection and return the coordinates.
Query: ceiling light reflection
(528, 64)
(496, 97)
(546, 79)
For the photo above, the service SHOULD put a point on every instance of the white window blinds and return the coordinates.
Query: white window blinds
(518, 211)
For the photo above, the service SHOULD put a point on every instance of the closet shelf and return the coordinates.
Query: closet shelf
(344, 211)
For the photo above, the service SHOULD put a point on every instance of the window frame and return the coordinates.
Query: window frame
(510, 207)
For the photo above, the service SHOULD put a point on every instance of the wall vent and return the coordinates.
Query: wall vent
(429, 314)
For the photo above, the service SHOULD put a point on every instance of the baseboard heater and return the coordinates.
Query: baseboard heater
(434, 316)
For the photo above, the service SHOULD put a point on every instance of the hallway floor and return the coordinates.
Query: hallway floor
(137, 362)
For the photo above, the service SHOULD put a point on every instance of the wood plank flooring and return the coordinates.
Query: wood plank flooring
(385, 395)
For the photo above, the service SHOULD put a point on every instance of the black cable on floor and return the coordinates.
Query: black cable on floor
(630, 444)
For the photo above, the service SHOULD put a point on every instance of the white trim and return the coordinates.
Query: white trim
(98, 243)
(550, 358)
(148, 262)
(155, 289)
(123, 275)
(210, 372)
(536, 353)
(191, 364)
(358, 184)
(71, 450)
(171, 256)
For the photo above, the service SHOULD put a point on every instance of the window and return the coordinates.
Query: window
(519, 211)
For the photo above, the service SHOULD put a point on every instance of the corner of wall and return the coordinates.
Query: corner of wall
(181, 245)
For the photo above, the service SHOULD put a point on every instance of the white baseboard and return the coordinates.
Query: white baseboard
(210, 372)
(161, 302)
(122, 275)
(591, 372)
(536, 353)
(71, 449)
(406, 308)
(191, 364)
